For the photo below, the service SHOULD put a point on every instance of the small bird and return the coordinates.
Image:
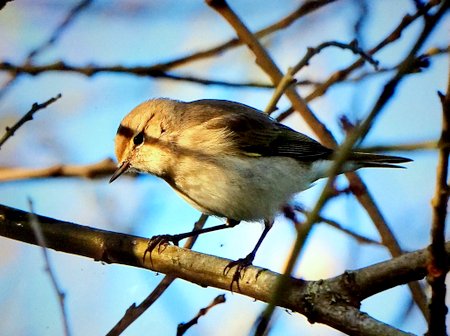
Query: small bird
(226, 159)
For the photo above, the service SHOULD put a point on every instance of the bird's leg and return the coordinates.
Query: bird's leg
(243, 263)
(162, 240)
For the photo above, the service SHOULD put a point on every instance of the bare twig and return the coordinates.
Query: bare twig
(40, 239)
(288, 78)
(56, 34)
(94, 170)
(135, 311)
(431, 52)
(144, 71)
(27, 117)
(363, 14)
(159, 70)
(284, 83)
(341, 75)
(426, 145)
(183, 327)
(423, 61)
(304, 9)
(336, 225)
(59, 30)
(353, 46)
(439, 263)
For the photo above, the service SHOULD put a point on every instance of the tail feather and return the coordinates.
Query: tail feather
(377, 160)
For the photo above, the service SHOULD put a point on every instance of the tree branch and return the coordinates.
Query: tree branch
(439, 263)
(264, 60)
(341, 75)
(56, 34)
(334, 301)
(183, 327)
(40, 239)
(95, 170)
(27, 117)
(135, 311)
(304, 9)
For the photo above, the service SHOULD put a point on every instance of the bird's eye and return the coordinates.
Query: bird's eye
(138, 139)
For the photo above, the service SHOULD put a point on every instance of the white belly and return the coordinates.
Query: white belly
(242, 188)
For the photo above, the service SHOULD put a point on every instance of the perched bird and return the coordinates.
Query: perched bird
(226, 159)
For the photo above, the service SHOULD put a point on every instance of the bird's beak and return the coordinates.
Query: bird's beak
(120, 170)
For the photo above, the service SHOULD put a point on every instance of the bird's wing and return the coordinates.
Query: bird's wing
(256, 134)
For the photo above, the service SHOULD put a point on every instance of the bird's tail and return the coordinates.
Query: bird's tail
(363, 160)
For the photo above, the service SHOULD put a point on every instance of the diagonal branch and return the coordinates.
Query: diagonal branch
(56, 34)
(304, 9)
(40, 239)
(183, 327)
(27, 117)
(268, 65)
(135, 311)
(439, 263)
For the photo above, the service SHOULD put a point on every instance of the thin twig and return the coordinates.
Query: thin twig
(143, 71)
(40, 239)
(288, 78)
(431, 52)
(353, 46)
(55, 35)
(94, 170)
(341, 75)
(27, 117)
(135, 311)
(426, 145)
(359, 238)
(304, 9)
(183, 327)
(423, 61)
(157, 71)
(439, 263)
(363, 14)
(60, 29)
(284, 83)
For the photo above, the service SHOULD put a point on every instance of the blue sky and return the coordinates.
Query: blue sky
(80, 129)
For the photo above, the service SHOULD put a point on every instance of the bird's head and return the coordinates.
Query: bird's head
(146, 138)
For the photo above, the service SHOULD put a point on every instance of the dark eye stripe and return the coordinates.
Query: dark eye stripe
(125, 131)
(138, 139)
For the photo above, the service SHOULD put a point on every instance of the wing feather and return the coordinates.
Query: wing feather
(256, 134)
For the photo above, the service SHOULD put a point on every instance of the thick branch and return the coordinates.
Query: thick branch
(333, 301)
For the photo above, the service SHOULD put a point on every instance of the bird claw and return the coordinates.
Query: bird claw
(160, 242)
(241, 265)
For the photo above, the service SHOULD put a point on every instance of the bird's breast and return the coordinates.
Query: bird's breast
(239, 188)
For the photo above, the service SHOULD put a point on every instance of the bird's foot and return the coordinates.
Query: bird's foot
(241, 265)
(160, 242)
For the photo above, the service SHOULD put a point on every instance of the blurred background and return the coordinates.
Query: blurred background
(80, 128)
